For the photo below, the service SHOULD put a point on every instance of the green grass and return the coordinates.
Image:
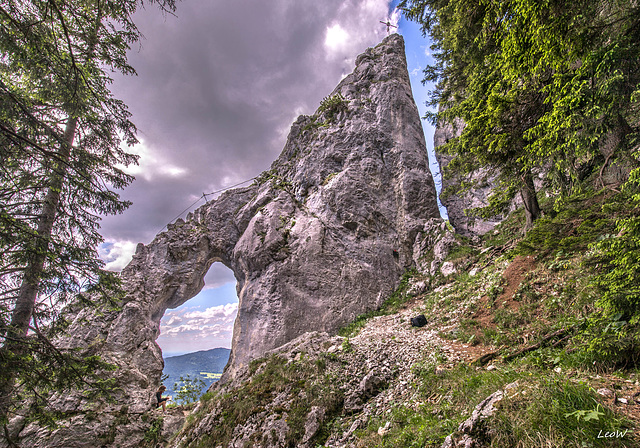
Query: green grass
(506, 232)
(462, 251)
(508, 319)
(559, 413)
(543, 410)
(447, 399)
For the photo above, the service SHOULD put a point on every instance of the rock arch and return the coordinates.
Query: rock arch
(320, 238)
(171, 269)
(324, 234)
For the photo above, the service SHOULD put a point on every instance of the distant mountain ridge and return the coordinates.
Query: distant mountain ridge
(196, 365)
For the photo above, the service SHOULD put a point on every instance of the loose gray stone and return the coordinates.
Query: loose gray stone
(313, 423)
(472, 433)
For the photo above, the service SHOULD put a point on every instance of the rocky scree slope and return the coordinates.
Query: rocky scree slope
(319, 390)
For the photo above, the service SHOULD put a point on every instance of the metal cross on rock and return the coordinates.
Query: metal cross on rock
(389, 26)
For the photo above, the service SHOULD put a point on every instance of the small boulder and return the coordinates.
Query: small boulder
(313, 423)
(448, 268)
(384, 429)
(370, 384)
(419, 321)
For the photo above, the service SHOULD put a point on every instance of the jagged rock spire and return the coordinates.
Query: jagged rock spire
(320, 238)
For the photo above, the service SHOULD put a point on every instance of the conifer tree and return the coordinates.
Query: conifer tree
(61, 157)
(540, 85)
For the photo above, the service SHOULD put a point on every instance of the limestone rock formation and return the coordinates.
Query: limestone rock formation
(332, 227)
(457, 201)
(432, 246)
(320, 238)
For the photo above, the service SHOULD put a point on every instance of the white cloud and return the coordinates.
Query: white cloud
(214, 325)
(218, 275)
(116, 254)
(172, 171)
(174, 320)
(355, 26)
(216, 312)
(336, 38)
(394, 18)
(151, 164)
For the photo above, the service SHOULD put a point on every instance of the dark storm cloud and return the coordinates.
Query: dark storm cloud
(218, 87)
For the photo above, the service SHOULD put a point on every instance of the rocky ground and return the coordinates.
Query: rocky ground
(388, 383)
(373, 372)
(388, 348)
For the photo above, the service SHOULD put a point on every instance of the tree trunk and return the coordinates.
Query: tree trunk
(530, 200)
(14, 344)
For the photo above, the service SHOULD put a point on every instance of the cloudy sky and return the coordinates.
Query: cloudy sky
(218, 87)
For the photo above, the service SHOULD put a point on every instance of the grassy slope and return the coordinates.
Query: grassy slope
(509, 294)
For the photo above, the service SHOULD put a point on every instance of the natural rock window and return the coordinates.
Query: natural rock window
(205, 321)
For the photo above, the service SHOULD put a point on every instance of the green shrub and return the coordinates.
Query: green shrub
(577, 221)
(331, 106)
(188, 390)
(613, 333)
(152, 435)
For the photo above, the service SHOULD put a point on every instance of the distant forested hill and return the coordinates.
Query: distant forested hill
(206, 365)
